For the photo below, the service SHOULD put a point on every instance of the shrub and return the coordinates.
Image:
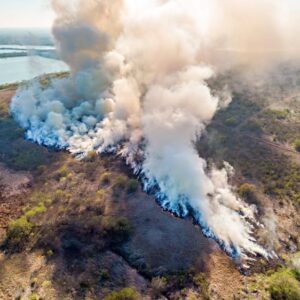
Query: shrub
(34, 297)
(61, 195)
(202, 285)
(19, 229)
(296, 273)
(158, 285)
(179, 280)
(297, 145)
(247, 191)
(252, 127)
(231, 122)
(284, 286)
(278, 114)
(105, 178)
(40, 197)
(36, 211)
(117, 227)
(41, 169)
(50, 253)
(61, 173)
(91, 157)
(124, 294)
(46, 284)
(132, 186)
(101, 194)
(120, 182)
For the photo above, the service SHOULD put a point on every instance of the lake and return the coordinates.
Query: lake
(14, 69)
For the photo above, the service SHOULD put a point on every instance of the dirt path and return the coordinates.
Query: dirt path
(225, 280)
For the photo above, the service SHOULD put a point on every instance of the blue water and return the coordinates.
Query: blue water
(15, 69)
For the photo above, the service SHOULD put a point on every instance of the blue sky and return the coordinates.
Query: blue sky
(25, 13)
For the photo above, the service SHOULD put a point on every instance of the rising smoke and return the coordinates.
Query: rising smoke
(138, 87)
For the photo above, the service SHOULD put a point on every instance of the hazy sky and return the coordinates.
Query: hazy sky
(25, 13)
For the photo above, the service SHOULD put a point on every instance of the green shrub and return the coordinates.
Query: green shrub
(231, 122)
(40, 209)
(202, 285)
(284, 286)
(105, 178)
(247, 191)
(101, 194)
(19, 229)
(61, 195)
(124, 294)
(34, 297)
(120, 182)
(296, 273)
(278, 114)
(118, 228)
(132, 186)
(46, 284)
(297, 145)
(61, 173)
(50, 253)
(41, 197)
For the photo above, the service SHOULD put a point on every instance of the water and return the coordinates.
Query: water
(27, 53)
(15, 69)
(8, 51)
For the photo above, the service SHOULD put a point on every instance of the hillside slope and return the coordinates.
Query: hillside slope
(81, 229)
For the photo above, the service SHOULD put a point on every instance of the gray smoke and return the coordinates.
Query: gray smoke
(138, 88)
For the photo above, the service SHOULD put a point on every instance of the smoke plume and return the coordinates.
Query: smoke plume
(138, 87)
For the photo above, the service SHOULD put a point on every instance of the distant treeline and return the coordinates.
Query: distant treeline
(13, 54)
(44, 53)
(33, 37)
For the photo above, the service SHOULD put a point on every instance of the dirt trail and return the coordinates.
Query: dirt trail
(225, 280)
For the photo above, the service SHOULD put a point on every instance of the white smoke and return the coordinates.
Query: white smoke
(138, 87)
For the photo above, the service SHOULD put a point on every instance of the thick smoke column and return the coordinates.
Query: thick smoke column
(138, 88)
